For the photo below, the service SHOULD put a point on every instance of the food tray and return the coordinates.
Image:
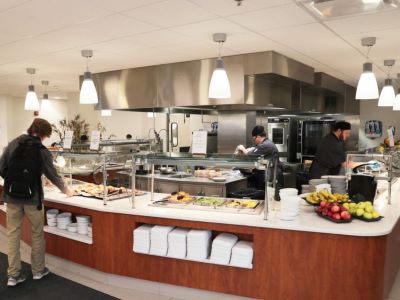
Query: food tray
(209, 201)
(368, 220)
(332, 220)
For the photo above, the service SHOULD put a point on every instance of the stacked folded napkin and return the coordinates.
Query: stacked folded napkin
(159, 239)
(242, 254)
(141, 239)
(222, 248)
(177, 242)
(198, 244)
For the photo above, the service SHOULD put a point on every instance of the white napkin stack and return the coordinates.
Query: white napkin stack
(198, 244)
(222, 248)
(159, 239)
(177, 242)
(141, 239)
(242, 254)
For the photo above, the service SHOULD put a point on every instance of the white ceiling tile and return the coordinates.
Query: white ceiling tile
(229, 7)
(204, 30)
(199, 50)
(8, 4)
(170, 13)
(161, 38)
(250, 42)
(35, 17)
(121, 5)
(275, 17)
(366, 23)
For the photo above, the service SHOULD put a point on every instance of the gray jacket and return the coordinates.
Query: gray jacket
(48, 169)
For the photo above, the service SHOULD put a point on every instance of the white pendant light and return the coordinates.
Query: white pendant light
(367, 87)
(45, 104)
(88, 94)
(387, 96)
(106, 113)
(219, 87)
(31, 99)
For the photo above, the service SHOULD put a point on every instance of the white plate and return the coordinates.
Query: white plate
(219, 179)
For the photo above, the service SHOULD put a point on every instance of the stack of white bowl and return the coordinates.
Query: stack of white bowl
(242, 254)
(290, 203)
(198, 244)
(51, 215)
(338, 184)
(314, 182)
(63, 220)
(177, 243)
(141, 238)
(83, 222)
(221, 249)
(323, 186)
(72, 227)
(305, 188)
(159, 239)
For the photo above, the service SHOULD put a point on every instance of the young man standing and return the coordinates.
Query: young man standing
(22, 164)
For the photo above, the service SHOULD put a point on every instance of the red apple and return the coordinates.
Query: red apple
(335, 209)
(345, 215)
(323, 203)
(336, 216)
(342, 208)
(320, 209)
(325, 211)
(330, 214)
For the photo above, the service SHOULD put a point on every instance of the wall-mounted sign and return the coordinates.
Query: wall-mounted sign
(67, 143)
(373, 129)
(199, 142)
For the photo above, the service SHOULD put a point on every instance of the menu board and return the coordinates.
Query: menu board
(199, 142)
(95, 140)
(68, 139)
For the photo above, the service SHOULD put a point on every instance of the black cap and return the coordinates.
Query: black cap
(258, 130)
(343, 125)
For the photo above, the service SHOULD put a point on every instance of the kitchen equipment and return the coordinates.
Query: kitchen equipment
(362, 187)
(311, 133)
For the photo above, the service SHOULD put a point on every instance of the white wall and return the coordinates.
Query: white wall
(369, 110)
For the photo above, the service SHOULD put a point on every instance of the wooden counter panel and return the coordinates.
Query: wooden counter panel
(287, 264)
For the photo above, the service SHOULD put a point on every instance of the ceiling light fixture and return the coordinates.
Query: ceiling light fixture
(219, 87)
(45, 101)
(88, 94)
(388, 95)
(106, 113)
(31, 99)
(367, 87)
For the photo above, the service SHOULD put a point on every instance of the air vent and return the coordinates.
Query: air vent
(331, 9)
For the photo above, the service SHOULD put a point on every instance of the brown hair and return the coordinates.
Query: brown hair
(40, 127)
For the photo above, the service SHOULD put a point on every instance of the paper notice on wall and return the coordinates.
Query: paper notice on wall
(391, 138)
(68, 139)
(95, 140)
(199, 142)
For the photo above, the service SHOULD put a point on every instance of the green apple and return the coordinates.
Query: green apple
(353, 205)
(361, 205)
(346, 205)
(369, 209)
(359, 212)
(375, 215)
(368, 203)
(367, 215)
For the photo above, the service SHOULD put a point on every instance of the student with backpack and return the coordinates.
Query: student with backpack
(22, 165)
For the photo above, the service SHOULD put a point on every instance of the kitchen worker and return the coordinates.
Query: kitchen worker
(330, 155)
(263, 146)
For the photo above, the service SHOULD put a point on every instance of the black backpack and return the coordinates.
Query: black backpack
(22, 179)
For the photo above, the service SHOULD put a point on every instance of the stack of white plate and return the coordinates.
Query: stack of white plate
(242, 254)
(305, 188)
(72, 227)
(221, 249)
(83, 222)
(323, 186)
(314, 182)
(51, 215)
(177, 243)
(141, 239)
(159, 239)
(63, 220)
(338, 184)
(198, 244)
(90, 230)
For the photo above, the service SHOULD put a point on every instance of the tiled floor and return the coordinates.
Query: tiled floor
(133, 289)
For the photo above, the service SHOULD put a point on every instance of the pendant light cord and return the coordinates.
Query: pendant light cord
(219, 49)
(368, 50)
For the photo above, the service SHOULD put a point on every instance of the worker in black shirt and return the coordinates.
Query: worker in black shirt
(330, 155)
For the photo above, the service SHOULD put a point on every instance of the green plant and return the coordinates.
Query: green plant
(77, 125)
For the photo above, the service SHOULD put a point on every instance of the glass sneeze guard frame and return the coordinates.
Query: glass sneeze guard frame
(209, 160)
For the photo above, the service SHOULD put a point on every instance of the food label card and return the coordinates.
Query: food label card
(68, 139)
(95, 140)
(391, 138)
(199, 142)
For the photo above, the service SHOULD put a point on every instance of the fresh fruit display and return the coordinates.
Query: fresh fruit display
(97, 190)
(334, 211)
(315, 198)
(236, 203)
(363, 211)
(209, 201)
